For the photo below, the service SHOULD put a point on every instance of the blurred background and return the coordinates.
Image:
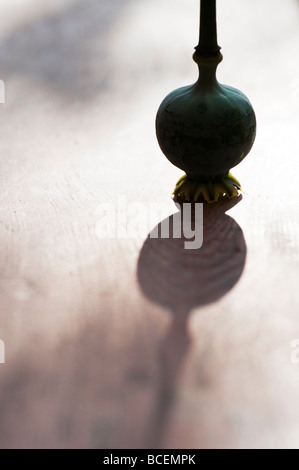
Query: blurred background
(94, 357)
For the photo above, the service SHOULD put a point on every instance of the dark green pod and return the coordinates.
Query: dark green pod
(206, 128)
(205, 132)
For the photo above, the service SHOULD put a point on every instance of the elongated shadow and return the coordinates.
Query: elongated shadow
(181, 279)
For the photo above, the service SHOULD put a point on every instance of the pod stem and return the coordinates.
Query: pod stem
(208, 29)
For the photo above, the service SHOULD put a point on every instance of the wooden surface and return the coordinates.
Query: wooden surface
(136, 342)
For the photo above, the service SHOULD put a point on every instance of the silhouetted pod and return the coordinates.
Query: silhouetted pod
(206, 128)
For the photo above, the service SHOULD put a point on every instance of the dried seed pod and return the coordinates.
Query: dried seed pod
(206, 128)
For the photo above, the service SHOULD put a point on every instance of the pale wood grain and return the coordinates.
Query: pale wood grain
(135, 342)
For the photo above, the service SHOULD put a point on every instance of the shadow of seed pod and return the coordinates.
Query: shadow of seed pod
(181, 279)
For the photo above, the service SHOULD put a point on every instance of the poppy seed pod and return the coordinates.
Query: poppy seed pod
(206, 128)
